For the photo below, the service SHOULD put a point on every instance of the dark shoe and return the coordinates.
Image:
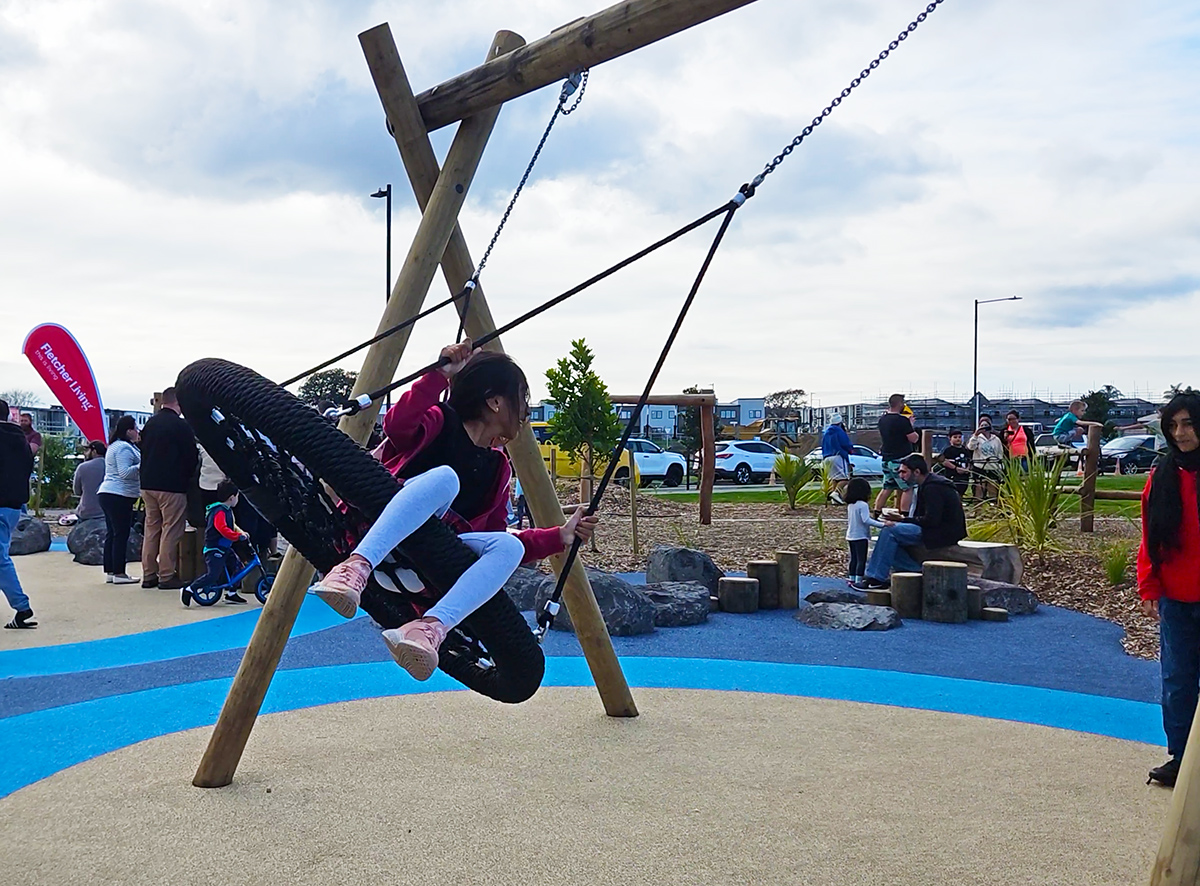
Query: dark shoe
(1166, 774)
(150, 581)
(185, 596)
(22, 620)
(871, 584)
(173, 583)
(234, 598)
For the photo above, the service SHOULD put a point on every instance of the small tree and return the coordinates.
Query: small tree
(1099, 405)
(329, 384)
(21, 398)
(793, 473)
(584, 422)
(783, 404)
(688, 423)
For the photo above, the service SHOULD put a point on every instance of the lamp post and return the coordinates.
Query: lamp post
(975, 372)
(386, 192)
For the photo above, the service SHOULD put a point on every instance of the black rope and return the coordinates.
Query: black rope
(545, 617)
(365, 400)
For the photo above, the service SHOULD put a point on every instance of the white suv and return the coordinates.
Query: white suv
(654, 463)
(745, 460)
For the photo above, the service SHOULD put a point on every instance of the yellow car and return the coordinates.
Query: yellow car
(562, 464)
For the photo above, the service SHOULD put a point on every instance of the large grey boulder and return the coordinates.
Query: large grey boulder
(522, 587)
(86, 542)
(1001, 595)
(849, 617)
(626, 610)
(670, 563)
(678, 604)
(31, 536)
(838, 595)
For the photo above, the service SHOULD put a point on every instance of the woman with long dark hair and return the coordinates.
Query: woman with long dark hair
(450, 459)
(117, 493)
(1168, 572)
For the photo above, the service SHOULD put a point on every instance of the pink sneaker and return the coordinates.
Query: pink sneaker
(415, 645)
(342, 587)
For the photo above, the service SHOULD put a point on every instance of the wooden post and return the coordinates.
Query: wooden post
(927, 446)
(767, 574)
(738, 594)
(708, 463)
(540, 493)
(245, 698)
(944, 591)
(1178, 860)
(1087, 490)
(583, 43)
(906, 593)
(633, 487)
(789, 579)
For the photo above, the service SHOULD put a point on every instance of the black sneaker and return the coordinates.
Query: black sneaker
(185, 596)
(150, 581)
(1166, 774)
(871, 584)
(234, 598)
(23, 619)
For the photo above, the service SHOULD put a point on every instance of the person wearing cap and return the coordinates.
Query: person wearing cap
(835, 451)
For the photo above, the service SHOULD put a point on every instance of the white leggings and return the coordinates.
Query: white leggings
(429, 495)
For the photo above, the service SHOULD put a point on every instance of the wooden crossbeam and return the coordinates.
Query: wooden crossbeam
(400, 105)
(584, 43)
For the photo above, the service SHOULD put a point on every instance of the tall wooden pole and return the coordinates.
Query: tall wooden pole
(1178, 860)
(457, 267)
(253, 678)
(581, 44)
(708, 463)
(1087, 490)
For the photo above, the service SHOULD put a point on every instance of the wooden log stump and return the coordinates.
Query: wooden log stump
(789, 579)
(994, 613)
(944, 592)
(767, 573)
(191, 554)
(879, 598)
(906, 593)
(714, 604)
(738, 594)
(974, 602)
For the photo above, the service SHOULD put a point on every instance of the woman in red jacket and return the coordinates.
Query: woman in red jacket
(1169, 572)
(450, 461)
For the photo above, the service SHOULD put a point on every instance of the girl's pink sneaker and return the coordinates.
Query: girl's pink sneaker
(342, 587)
(414, 646)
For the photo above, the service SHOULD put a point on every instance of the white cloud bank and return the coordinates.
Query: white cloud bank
(186, 179)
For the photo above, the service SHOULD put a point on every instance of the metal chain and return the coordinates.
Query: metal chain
(577, 81)
(866, 72)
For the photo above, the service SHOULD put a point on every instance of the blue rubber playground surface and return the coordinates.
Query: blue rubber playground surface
(62, 705)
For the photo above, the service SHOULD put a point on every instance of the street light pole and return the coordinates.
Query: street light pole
(975, 362)
(387, 289)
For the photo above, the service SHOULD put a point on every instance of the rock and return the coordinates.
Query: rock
(849, 617)
(838, 595)
(678, 603)
(998, 595)
(1001, 562)
(31, 536)
(626, 610)
(86, 542)
(522, 587)
(669, 563)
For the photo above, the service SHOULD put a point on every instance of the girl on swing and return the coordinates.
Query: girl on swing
(450, 461)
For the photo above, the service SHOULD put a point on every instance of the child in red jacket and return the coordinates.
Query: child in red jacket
(450, 460)
(1169, 572)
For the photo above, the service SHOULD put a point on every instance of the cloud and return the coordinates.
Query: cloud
(1073, 307)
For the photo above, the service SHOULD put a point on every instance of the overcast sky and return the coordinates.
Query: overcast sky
(185, 179)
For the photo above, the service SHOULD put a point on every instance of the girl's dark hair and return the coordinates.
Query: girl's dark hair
(858, 490)
(1164, 509)
(98, 447)
(123, 426)
(487, 374)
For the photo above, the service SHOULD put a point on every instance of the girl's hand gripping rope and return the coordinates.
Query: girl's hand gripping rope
(581, 526)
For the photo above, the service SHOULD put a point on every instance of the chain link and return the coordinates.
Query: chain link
(866, 72)
(577, 81)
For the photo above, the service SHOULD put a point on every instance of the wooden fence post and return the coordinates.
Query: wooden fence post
(708, 466)
(1087, 490)
(927, 446)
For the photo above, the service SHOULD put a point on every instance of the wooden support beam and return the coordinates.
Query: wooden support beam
(708, 463)
(681, 400)
(927, 447)
(457, 267)
(254, 675)
(584, 43)
(1178, 860)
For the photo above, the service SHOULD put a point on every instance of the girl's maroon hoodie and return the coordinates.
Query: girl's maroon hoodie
(414, 421)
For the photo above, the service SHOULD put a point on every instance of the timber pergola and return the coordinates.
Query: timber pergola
(707, 404)
(511, 69)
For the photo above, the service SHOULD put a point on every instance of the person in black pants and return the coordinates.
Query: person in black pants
(116, 494)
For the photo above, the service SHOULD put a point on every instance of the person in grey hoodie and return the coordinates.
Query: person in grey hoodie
(117, 493)
(16, 463)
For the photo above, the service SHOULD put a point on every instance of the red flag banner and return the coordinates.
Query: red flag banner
(60, 362)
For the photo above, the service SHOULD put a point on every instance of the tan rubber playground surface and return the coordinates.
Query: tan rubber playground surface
(704, 788)
(72, 603)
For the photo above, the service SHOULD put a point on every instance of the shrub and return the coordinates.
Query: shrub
(1029, 505)
(793, 473)
(1116, 559)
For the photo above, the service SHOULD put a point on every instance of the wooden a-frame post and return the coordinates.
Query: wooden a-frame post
(475, 99)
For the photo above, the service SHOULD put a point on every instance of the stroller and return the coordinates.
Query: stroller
(207, 594)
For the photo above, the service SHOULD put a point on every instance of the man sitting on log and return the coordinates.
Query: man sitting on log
(935, 520)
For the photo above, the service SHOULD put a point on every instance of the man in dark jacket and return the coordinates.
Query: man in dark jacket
(169, 462)
(16, 464)
(936, 521)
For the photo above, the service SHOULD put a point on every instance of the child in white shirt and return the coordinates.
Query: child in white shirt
(858, 525)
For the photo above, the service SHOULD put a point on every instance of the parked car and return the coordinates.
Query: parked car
(654, 463)
(744, 460)
(864, 461)
(560, 464)
(1129, 455)
(1049, 449)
